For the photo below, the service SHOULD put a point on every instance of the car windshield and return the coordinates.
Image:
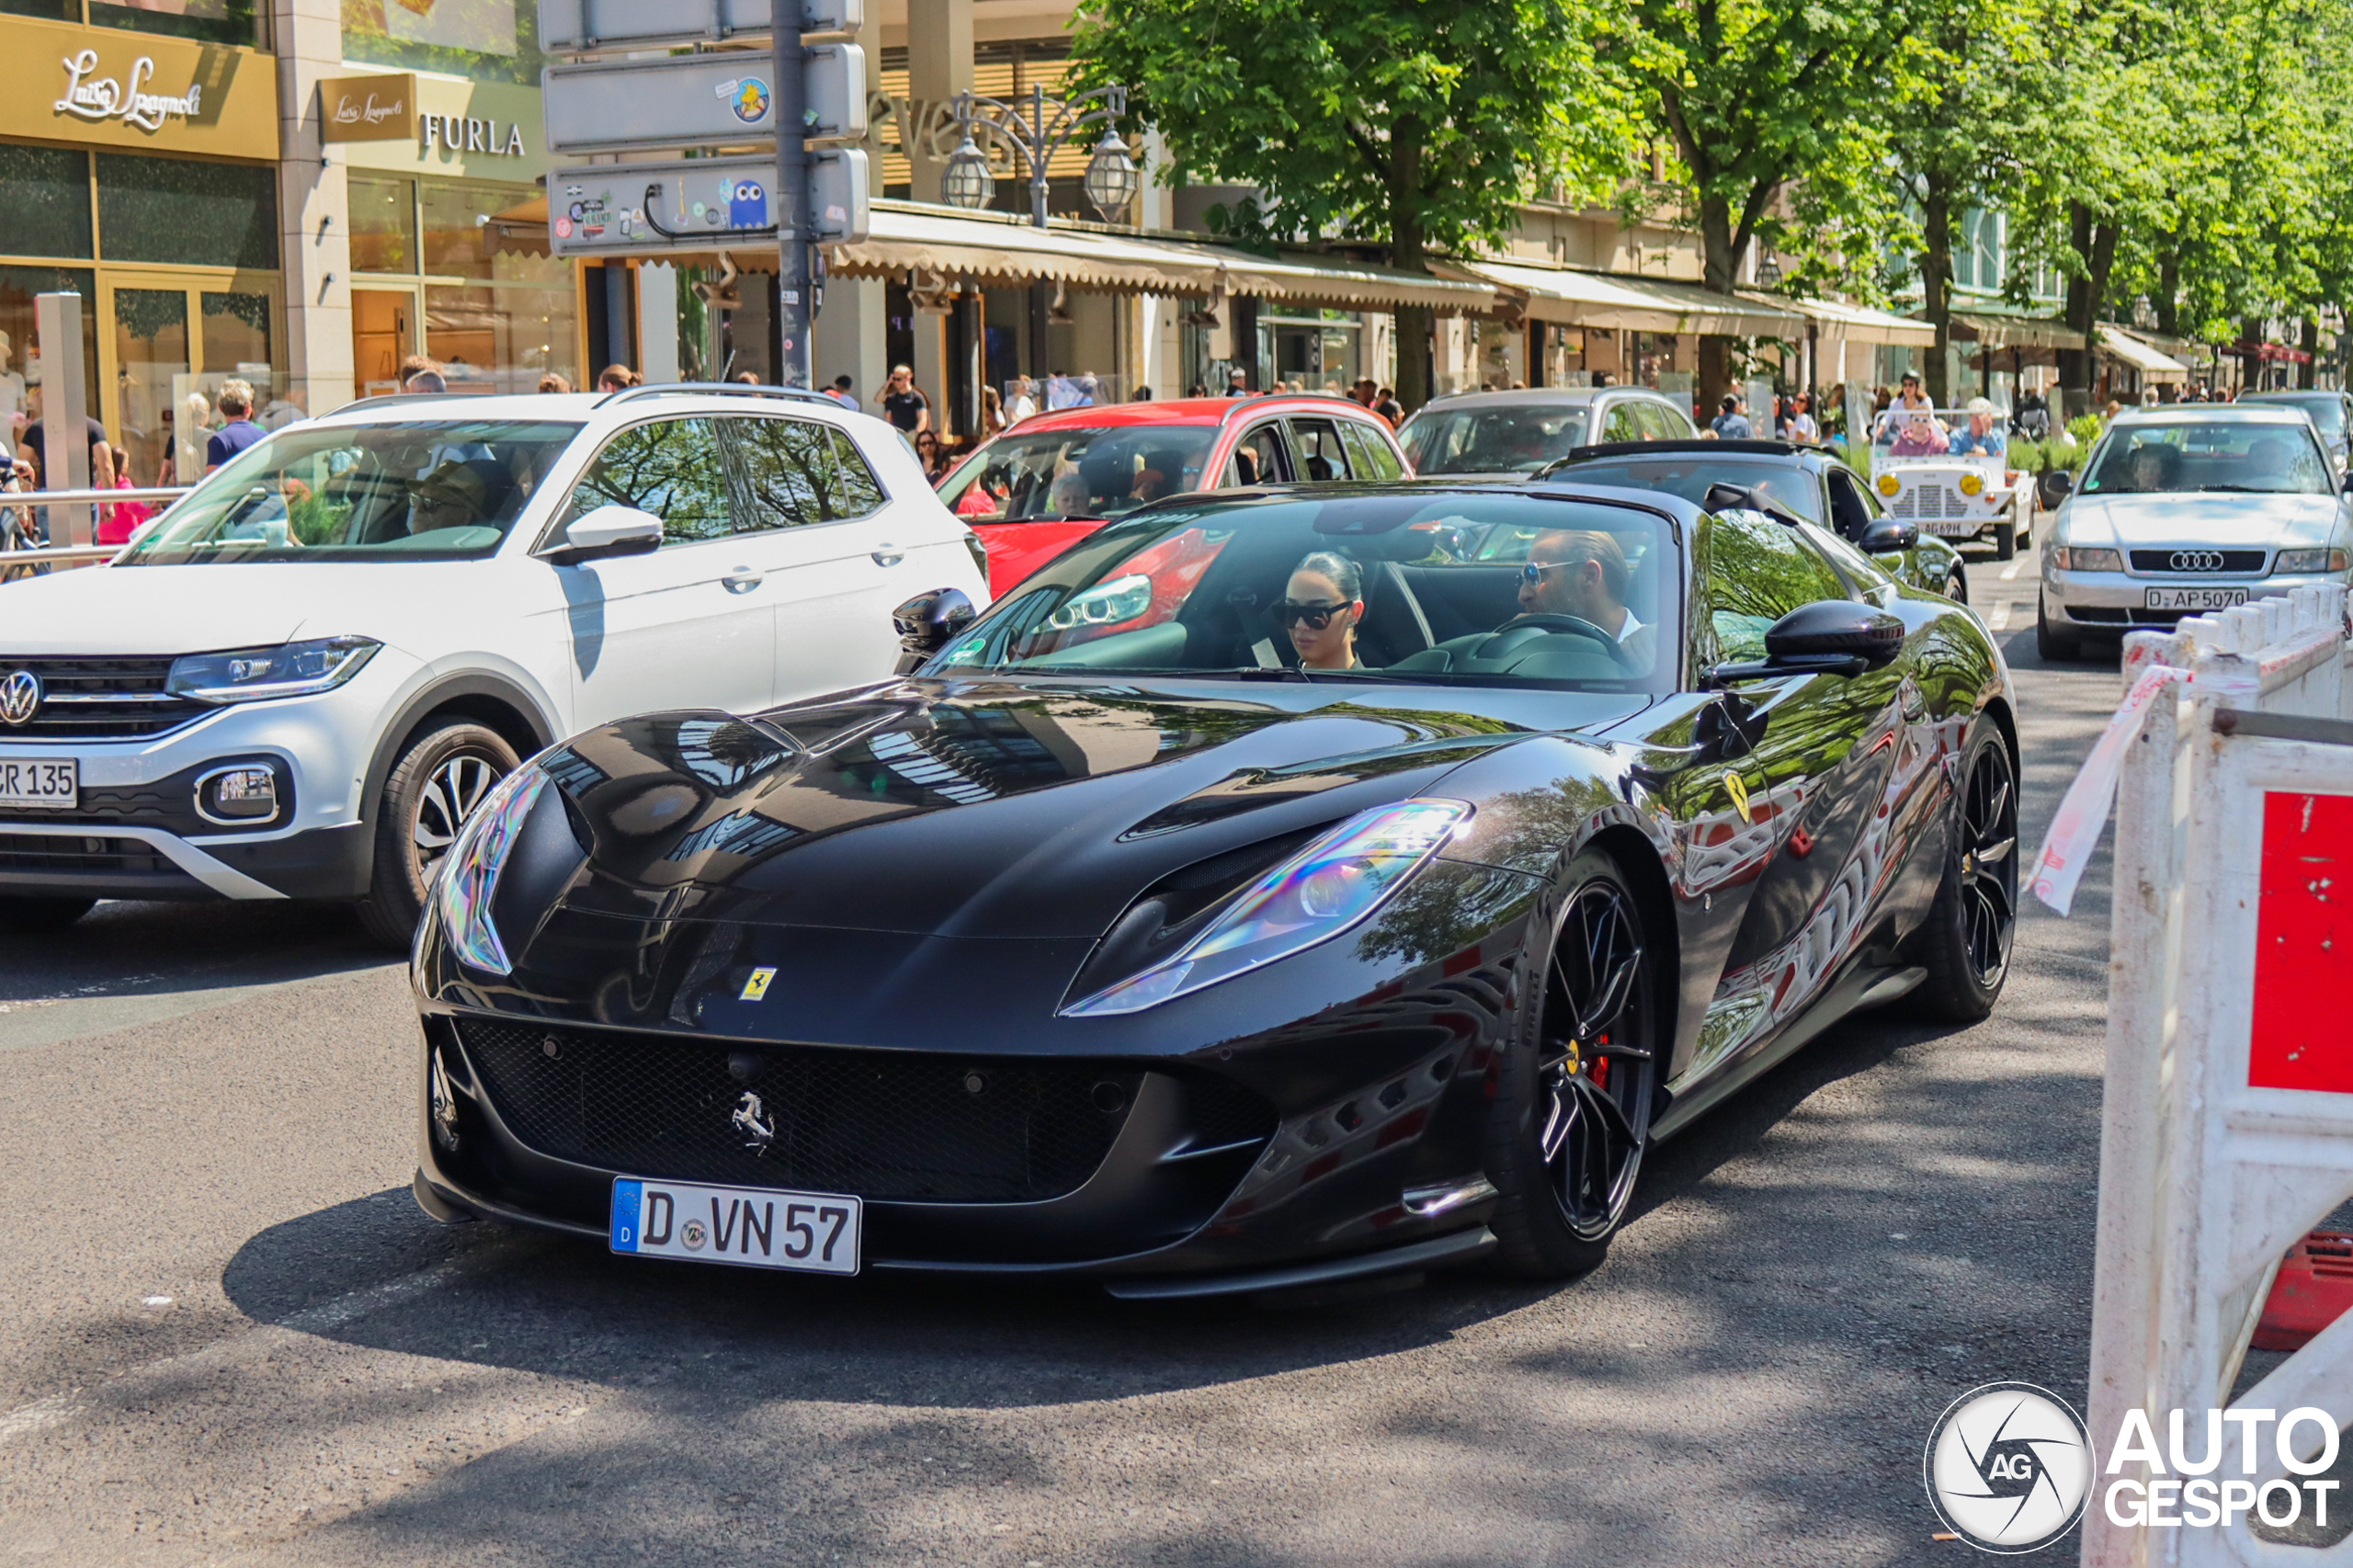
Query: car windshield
(2189, 456)
(1079, 473)
(1492, 438)
(1690, 475)
(2328, 409)
(442, 491)
(1365, 586)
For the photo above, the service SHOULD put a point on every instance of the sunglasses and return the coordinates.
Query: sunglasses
(1317, 615)
(1531, 575)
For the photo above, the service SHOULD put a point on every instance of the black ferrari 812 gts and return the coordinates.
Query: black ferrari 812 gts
(1268, 893)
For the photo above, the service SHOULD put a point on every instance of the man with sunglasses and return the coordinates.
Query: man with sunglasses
(1583, 572)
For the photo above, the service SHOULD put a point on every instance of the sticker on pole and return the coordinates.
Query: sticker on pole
(2008, 1468)
(2306, 877)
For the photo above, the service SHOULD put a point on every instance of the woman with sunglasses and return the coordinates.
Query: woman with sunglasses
(1322, 606)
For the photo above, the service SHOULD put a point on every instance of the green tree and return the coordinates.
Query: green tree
(1418, 127)
(1766, 103)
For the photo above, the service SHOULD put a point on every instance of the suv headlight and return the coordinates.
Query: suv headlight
(469, 875)
(2079, 559)
(2309, 560)
(291, 669)
(1333, 884)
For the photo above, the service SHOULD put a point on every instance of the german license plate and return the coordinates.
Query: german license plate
(755, 1227)
(52, 782)
(1958, 528)
(2195, 598)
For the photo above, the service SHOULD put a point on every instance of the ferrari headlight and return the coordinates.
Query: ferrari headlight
(1333, 884)
(1889, 484)
(291, 669)
(1972, 485)
(469, 876)
(2309, 561)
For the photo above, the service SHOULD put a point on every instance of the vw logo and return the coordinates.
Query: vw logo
(19, 698)
(2196, 561)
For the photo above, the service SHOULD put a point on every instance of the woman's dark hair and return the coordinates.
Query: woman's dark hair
(1341, 572)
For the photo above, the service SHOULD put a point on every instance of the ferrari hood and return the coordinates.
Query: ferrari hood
(998, 809)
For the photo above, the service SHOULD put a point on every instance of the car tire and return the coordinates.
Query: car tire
(1957, 585)
(2006, 540)
(2052, 646)
(1965, 945)
(1570, 1123)
(441, 777)
(31, 916)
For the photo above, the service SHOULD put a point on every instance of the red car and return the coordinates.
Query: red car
(1051, 481)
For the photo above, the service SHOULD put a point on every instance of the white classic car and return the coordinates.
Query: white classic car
(1948, 469)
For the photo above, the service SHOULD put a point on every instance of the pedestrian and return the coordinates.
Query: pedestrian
(1199, 390)
(1025, 401)
(1732, 424)
(1803, 425)
(1142, 395)
(119, 522)
(1385, 404)
(1237, 382)
(238, 431)
(840, 392)
(933, 456)
(551, 382)
(31, 447)
(421, 377)
(991, 412)
(747, 378)
(616, 378)
(904, 404)
(1364, 390)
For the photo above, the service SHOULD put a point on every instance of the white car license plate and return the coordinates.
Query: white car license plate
(1958, 528)
(757, 1227)
(52, 782)
(2195, 598)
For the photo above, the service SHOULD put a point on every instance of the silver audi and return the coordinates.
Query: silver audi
(2186, 508)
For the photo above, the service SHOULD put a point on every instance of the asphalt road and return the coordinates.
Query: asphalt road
(227, 1335)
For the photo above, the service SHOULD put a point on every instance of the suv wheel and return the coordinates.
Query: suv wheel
(438, 783)
(28, 916)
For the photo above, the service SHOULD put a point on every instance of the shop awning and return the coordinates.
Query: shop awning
(1861, 323)
(2122, 346)
(1993, 330)
(1639, 304)
(911, 236)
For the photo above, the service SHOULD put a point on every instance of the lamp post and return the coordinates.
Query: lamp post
(1036, 127)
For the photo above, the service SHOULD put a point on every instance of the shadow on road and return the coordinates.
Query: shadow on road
(124, 948)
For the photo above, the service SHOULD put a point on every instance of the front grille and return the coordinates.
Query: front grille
(2191, 560)
(884, 1125)
(1925, 502)
(100, 700)
(44, 852)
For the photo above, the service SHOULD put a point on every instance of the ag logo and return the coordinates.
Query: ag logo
(2008, 1468)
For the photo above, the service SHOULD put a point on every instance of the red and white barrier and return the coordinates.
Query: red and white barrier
(2227, 1128)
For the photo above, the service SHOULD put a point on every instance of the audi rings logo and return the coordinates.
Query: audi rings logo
(2195, 560)
(2008, 1468)
(19, 698)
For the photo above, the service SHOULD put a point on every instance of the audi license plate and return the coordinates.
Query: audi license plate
(54, 783)
(2195, 598)
(758, 1227)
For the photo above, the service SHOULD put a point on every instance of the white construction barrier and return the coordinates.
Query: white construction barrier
(2227, 1128)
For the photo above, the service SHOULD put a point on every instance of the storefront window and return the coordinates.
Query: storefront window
(150, 354)
(186, 213)
(451, 236)
(383, 226)
(20, 339)
(209, 21)
(46, 193)
(488, 41)
(504, 336)
(47, 10)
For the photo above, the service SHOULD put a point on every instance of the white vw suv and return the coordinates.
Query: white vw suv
(303, 678)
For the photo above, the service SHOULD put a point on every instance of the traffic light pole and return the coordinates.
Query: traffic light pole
(795, 217)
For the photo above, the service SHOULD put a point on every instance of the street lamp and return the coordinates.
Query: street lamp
(1036, 127)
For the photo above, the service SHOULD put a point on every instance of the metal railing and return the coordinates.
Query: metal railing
(79, 554)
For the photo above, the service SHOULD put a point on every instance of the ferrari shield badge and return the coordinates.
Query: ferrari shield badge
(758, 986)
(1739, 796)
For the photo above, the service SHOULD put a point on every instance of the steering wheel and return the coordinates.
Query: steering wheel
(1575, 625)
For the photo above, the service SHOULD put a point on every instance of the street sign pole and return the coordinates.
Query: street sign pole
(795, 218)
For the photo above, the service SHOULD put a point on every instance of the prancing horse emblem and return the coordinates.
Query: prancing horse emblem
(19, 698)
(753, 1121)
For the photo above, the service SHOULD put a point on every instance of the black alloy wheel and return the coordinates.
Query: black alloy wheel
(440, 780)
(1574, 1119)
(1965, 945)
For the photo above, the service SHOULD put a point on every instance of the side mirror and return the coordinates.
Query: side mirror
(1826, 637)
(928, 623)
(1886, 534)
(608, 531)
(2054, 487)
